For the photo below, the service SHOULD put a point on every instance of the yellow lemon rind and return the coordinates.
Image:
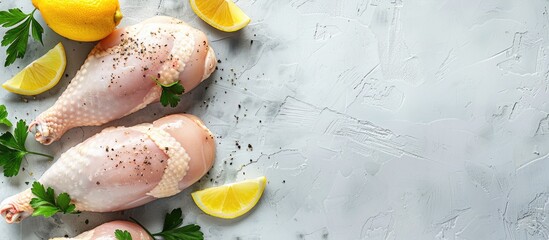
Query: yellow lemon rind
(84, 21)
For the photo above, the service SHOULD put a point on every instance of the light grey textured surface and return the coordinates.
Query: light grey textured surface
(372, 119)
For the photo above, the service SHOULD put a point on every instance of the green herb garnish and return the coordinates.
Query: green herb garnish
(122, 235)
(171, 93)
(4, 116)
(46, 204)
(18, 37)
(172, 231)
(13, 150)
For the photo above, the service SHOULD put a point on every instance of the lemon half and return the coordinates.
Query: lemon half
(41, 75)
(231, 200)
(221, 14)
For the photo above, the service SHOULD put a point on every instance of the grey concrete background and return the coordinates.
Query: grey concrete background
(372, 119)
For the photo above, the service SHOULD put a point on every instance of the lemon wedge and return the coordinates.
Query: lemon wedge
(41, 75)
(231, 200)
(221, 14)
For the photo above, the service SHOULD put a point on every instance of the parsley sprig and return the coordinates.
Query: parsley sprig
(171, 229)
(46, 204)
(4, 116)
(13, 150)
(171, 93)
(17, 38)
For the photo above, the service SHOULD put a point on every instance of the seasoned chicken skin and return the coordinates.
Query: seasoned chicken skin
(126, 167)
(121, 73)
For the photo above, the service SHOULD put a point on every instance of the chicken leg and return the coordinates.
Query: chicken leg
(120, 75)
(130, 165)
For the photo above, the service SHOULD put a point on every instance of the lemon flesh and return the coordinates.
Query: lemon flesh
(41, 75)
(81, 20)
(231, 200)
(221, 14)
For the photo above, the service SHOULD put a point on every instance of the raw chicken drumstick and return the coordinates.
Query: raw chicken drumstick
(106, 232)
(126, 167)
(120, 75)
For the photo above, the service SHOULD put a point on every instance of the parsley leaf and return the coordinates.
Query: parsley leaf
(171, 93)
(188, 232)
(37, 31)
(64, 203)
(4, 116)
(11, 17)
(172, 231)
(17, 38)
(45, 203)
(122, 235)
(173, 219)
(21, 132)
(11, 162)
(13, 150)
